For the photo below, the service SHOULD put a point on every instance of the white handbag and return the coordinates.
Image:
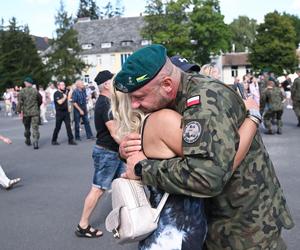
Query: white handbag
(132, 218)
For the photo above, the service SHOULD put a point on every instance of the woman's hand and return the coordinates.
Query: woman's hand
(250, 103)
(130, 144)
(131, 162)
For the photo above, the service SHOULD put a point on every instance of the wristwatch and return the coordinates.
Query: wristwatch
(138, 169)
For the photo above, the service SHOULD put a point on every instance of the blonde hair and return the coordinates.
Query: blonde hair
(127, 119)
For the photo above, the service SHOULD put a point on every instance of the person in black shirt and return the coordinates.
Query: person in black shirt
(107, 163)
(62, 114)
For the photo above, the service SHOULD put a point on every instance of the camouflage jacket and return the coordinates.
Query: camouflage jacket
(247, 208)
(29, 102)
(271, 99)
(295, 90)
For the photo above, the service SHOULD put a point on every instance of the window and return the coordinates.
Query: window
(86, 78)
(145, 42)
(126, 43)
(234, 71)
(87, 46)
(106, 45)
(124, 58)
(99, 59)
(248, 69)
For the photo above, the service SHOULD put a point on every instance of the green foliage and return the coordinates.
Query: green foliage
(88, 8)
(193, 34)
(111, 11)
(64, 62)
(296, 24)
(209, 30)
(18, 56)
(274, 47)
(243, 30)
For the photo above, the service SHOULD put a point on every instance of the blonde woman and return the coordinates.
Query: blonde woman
(182, 223)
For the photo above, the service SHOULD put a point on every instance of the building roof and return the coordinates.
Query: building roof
(113, 30)
(41, 43)
(235, 59)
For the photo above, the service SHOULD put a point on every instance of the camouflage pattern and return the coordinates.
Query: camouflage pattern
(29, 102)
(33, 122)
(295, 91)
(247, 208)
(271, 103)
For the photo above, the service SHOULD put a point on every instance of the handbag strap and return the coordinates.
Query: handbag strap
(160, 206)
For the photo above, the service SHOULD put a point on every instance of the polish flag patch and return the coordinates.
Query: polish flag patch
(193, 101)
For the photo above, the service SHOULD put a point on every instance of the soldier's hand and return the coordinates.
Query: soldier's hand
(130, 145)
(250, 103)
(131, 162)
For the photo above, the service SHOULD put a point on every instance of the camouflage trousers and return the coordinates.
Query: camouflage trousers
(296, 107)
(32, 122)
(274, 116)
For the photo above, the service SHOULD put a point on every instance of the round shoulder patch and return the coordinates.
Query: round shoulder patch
(192, 132)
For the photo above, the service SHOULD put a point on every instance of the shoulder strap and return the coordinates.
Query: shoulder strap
(160, 206)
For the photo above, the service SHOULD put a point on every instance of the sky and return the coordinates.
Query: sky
(39, 14)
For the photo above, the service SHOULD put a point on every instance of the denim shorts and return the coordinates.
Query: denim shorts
(108, 167)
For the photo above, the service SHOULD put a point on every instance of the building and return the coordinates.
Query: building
(107, 43)
(41, 43)
(232, 65)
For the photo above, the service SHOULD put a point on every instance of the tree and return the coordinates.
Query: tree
(274, 47)
(19, 56)
(64, 62)
(193, 34)
(168, 24)
(108, 10)
(88, 8)
(208, 30)
(243, 30)
(296, 24)
(154, 19)
(119, 9)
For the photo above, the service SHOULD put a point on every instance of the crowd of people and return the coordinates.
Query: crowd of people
(177, 131)
(272, 95)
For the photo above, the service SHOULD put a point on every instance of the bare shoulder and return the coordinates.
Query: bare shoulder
(165, 115)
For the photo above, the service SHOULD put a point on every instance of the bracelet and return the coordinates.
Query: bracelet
(254, 119)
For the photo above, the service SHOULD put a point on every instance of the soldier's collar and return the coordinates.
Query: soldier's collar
(182, 90)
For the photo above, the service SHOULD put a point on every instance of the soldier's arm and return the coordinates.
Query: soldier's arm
(210, 143)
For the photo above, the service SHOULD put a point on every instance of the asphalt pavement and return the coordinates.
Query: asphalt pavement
(41, 213)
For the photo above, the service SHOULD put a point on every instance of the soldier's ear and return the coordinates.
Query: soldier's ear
(167, 84)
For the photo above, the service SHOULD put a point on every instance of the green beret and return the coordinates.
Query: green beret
(140, 68)
(28, 79)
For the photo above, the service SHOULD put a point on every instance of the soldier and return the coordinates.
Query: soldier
(29, 101)
(247, 209)
(295, 91)
(271, 102)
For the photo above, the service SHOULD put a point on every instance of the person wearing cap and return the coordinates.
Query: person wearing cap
(184, 64)
(107, 163)
(240, 201)
(29, 101)
(62, 114)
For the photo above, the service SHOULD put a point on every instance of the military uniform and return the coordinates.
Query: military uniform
(247, 208)
(295, 91)
(271, 102)
(28, 103)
